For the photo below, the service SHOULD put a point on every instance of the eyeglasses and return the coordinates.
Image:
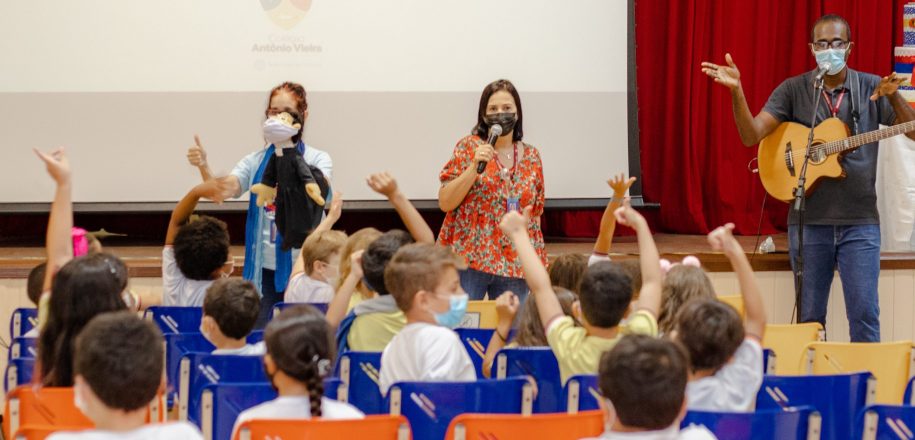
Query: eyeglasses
(834, 44)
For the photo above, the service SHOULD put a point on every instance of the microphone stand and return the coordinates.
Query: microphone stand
(800, 201)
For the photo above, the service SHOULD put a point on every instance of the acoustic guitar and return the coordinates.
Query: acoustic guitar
(781, 154)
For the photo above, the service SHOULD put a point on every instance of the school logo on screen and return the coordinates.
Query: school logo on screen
(286, 14)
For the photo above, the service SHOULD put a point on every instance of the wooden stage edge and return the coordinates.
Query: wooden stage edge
(146, 261)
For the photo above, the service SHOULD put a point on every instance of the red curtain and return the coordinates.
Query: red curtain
(693, 162)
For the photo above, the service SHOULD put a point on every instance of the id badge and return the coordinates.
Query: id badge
(512, 204)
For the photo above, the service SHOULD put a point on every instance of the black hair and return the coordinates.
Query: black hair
(482, 128)
(118, 352)
(606, 291)
(377, 255)
(301, 344)
(830, 18)
(35, 284)
(83, 288)
(234, 304)
(201, 247)
(645, 379)
(711, 331)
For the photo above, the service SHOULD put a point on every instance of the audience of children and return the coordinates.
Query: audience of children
(230, 311)
(317, 269)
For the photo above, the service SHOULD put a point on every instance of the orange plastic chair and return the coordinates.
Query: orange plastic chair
(374, 427)
(889, 362)
(29, 405)
(735, 301)
(557, 426)
(41, 432)
(789, 342)
(480, 314)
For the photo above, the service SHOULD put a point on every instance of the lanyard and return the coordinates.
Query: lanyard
(833, 109)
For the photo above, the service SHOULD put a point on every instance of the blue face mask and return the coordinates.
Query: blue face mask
(835, 58)
(456, 310)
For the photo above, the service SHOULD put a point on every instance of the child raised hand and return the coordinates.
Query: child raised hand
(384, 183)
(722, 239)
(507, 305)
(619, 184)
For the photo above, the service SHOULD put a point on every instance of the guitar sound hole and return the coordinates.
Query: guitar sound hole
(817, 156)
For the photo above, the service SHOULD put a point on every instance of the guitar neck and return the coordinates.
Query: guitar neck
(850, 143)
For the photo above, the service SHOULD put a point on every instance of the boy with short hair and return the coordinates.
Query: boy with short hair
(725, 352)
(423, 278)
(195, 252)
(604, 297)
(317, 270)
(230, 311)
(642, 381)
(118, 371)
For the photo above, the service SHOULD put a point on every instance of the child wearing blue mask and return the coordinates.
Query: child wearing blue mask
(423, 279)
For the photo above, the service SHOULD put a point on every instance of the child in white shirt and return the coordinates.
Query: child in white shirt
(317, 270)
(423, 279)
(118, 352)
(299, 356)
(230, 312)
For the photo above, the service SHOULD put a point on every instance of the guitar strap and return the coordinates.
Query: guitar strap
(855, 91)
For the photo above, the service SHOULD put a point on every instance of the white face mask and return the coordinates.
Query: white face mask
(275, 131)
(78, 401)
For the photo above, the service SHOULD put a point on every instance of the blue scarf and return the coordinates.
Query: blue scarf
(253, 234)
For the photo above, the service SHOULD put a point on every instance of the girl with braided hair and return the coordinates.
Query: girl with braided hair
(300, 354)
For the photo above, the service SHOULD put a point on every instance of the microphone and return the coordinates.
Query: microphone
(494, 132)
(822, 70)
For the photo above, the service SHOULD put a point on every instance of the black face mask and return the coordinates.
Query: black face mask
(505, 120)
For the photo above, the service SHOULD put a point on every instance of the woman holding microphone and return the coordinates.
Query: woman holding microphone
(483, 181)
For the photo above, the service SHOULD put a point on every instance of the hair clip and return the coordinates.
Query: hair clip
(323, 365)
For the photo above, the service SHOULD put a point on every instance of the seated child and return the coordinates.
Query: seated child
(725, 354)
(316, 272)
(604, 297)
(423, 278)
(530, 329)
(643, 381)
(196, 252)
(300, 354)
(567, 270)
(682, 283)
(118, 352)
(230, 310)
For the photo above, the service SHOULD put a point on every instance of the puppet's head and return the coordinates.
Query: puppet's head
(281, 127)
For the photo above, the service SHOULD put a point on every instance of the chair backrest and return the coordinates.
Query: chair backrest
(255, 336)
(221, 403)
(735, 301)
(23, 347)
(19, 372)
(22, 320)
(383, 427)
(539, 363)
(27, 405)
(789, 342)
(475, 341)
(332, 387)
(775, 424)
(909, 396)
(359, 372)
(889, 362)
(517, 427)
(175, 319)
(176, 346)
(430, 406)
(769, 361)
(581, 393)
(480, 314)
(838, 398)
(278, 307)
(893, 422)
(201, 369)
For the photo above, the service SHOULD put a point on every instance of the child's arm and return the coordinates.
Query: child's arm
(506, 307)
(336, 310)
(384, 184)
(620, 185)
(336, 207)
(58, 241)
(722, 239)
(186, 207)
(650, 295)
(514, 225)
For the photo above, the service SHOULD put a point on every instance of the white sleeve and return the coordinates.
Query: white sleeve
(244, 170)
(292, 294)
(321, 160)
(742, 377)
(447, 360)
(172, 278)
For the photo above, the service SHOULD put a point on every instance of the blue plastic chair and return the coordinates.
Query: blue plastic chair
(332, 388)
(19, 372)
(581, 393)
(475, 341)
(175, 319)
(278, 307)
(23, 347)
(176, 346)
(769, 361)
(221, 403)
(539, 363)
(885, 422)
(909, 397)
(838, 398)
(359, 372)
(201, 369)
(801, 422)
(255, 336)
(430, 406)
(22, 320)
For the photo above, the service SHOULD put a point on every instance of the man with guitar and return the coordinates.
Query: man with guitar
(842, 225)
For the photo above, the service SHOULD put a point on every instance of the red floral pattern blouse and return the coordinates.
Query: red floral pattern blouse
(472, 229)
